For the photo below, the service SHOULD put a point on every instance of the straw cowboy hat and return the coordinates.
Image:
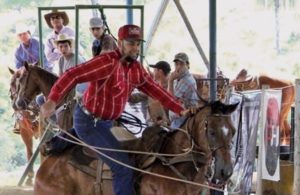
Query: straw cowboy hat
(64, 37)
(21, 28)
(59, 13)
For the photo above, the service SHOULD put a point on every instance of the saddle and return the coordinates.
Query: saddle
(151, 141)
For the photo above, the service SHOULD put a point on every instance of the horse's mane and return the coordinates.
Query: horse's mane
(48, 76)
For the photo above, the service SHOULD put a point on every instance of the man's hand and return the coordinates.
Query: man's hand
(48, 108)
(189, 111)
(174, 75)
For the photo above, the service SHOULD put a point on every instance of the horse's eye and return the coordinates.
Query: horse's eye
(212, 133)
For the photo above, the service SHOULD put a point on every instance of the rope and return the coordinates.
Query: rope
(95, 149)
(105, 23)
(130, 119)
(186, 150)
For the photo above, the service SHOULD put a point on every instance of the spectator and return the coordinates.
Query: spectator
(67, 59)
(183, 86)
(28, 49)
(58, 21)
(103, 42)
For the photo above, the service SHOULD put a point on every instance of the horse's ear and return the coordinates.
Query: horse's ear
(228, 109)
(218, 107)
(11, 71)
(26, 66)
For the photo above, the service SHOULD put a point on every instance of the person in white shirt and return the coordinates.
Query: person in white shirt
(58, 21)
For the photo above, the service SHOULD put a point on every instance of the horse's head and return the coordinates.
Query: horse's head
(26, 88)
(212, 130)
(14, 86)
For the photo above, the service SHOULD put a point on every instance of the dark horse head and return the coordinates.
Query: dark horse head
(212, 130)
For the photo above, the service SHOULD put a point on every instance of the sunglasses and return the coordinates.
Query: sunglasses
(55, 17)
(95, 28)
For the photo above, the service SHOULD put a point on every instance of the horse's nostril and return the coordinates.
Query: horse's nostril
(226, 173)
(20, 104)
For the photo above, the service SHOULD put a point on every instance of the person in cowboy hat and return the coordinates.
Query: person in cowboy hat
(28, 49)
(67, 59)
(103, 42)
(112, 76)
(58, 21)
(183, 86)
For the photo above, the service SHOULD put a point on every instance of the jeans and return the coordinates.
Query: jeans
(178, 122)
(98, 134)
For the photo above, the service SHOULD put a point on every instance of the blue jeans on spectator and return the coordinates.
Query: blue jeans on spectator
(98, 134)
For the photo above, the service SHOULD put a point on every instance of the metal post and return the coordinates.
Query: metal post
(212, 49)
(41, 51)
(192, 33)
(129, 13)
(76, 34)
(292, 135)
(296, 189)
(47, 134)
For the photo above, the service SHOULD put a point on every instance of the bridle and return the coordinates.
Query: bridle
(212, 148)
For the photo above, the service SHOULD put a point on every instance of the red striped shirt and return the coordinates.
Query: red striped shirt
(111, 83)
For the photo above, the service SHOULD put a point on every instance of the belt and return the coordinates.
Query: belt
(87, 112)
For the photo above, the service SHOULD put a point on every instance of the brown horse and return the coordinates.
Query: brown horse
(25, 121)
(210, 130)
(244, 82)
(34, 80)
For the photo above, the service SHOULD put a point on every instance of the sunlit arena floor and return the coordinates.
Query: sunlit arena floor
(12, 190)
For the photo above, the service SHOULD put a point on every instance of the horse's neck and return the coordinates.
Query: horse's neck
(45, 81)
(195, 127)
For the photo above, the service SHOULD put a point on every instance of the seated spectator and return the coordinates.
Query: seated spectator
(155, 113)
(58, 21)
(67, 60)
(103, 42)
(28, 49)
(183, 86)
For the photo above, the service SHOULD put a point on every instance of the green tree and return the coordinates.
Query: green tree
(22, 4)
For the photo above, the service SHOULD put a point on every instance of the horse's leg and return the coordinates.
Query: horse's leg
(27, 137)
(284, 125)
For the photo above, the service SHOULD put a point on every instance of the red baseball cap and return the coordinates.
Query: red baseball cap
(130, 32)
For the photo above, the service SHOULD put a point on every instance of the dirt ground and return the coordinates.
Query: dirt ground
(13, 190)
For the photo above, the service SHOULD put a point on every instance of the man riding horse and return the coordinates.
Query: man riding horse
(112, 78)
